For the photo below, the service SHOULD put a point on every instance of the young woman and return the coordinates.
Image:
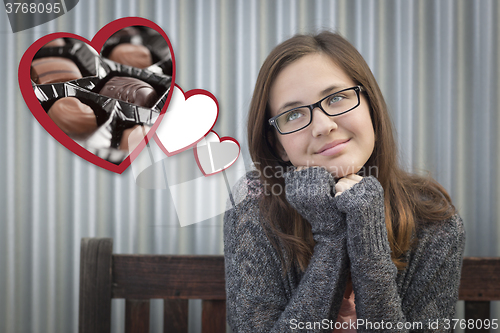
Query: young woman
(330, 234)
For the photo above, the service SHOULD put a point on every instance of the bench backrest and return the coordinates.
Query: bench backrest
(175, 279)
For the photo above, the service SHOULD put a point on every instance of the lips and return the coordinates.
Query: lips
(333, 147)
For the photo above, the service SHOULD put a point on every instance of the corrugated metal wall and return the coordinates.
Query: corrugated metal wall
(437, 63)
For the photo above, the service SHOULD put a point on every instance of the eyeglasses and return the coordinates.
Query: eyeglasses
(300, 117)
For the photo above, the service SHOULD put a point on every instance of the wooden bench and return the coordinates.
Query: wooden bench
(479, 285)
(139, 278)
(175, 279)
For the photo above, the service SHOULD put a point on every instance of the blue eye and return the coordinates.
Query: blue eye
(293, 115)
(296, 114)
(335, 99)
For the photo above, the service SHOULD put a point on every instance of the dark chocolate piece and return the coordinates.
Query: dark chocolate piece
(131, 137)
(54, 70)
(55, 43)
(132, 55)
(73, 117)
(127, 31)
(130, 90)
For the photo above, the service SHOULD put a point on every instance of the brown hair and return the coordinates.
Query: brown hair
(408, 198)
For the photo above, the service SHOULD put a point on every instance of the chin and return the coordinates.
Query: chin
(342, 170)
(337, 168)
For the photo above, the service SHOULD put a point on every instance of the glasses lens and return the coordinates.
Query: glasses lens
(293, 120)
(340, 102)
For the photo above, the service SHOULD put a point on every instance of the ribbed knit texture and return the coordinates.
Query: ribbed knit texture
(350, 235)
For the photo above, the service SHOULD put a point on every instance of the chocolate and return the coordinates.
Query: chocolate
(73, 117)
(143, 47)
(111, 102)
(130, 90)
(132, 55)
(133, 136)
(54, 70)
(127, 31)
(55, 43)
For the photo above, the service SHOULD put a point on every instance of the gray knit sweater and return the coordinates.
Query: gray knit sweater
(350, 235)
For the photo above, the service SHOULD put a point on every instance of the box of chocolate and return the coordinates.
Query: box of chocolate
(107, 106)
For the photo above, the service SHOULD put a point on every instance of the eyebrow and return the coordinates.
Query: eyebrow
(323, 93)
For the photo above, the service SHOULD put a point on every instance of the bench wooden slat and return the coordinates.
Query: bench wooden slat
(95, 285)
(175, 315)
(213, 316)
(138, 278)
(136, 316)
(480, 279)
(160, 276)
(477, 310)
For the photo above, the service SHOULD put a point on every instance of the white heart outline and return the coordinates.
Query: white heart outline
(176, 125)
(225, 138)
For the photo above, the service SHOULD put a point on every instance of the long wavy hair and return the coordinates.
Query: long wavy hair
(408, 198)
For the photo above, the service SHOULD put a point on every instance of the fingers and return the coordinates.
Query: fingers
(343, 184)
(346, 183)
(355, 177)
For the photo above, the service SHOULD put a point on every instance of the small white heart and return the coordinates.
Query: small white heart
(189, 118)
(214, 154)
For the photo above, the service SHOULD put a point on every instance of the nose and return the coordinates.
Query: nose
(322, 124)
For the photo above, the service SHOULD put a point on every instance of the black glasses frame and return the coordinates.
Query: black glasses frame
(311, 107)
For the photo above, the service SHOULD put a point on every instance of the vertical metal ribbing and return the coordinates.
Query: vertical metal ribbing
(11, 303)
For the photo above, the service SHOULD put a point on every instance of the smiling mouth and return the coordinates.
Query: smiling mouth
(334, 148)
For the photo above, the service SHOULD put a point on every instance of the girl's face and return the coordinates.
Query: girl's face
(304, 82)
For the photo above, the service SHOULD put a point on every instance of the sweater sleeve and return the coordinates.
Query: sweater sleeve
(258, 297)
(431, 287)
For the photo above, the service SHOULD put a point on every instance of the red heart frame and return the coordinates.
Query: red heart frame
(97, 42)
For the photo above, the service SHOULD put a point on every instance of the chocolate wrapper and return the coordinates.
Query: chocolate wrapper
(113, 115)
(84, 56)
